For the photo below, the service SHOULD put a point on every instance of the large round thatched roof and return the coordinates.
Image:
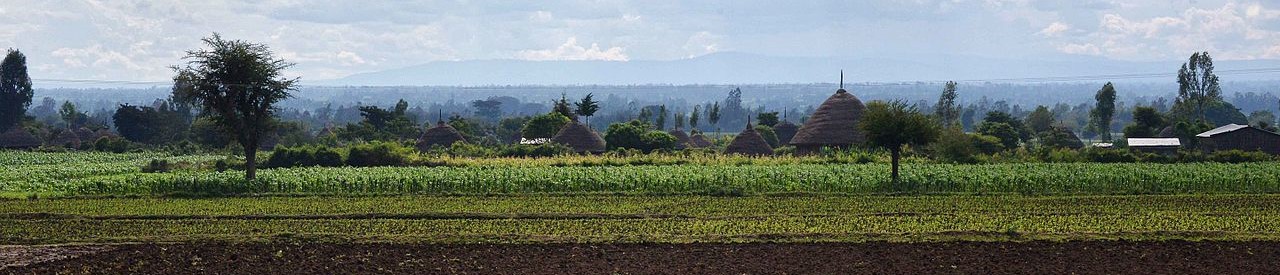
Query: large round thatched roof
(580, 138)
(443, 135)
(835, 123)
(18, 138)
(67, 138)
(86, 135)
(682, 139)
(785, 131)
(698, 140)
(749, 142)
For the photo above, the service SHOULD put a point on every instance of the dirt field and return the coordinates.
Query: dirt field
(1095, 257)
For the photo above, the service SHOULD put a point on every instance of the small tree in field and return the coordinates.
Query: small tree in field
(894, 124)
(237, 84)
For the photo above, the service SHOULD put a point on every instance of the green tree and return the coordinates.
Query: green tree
(1103, 111)
(1197, 84)
(1023, 132)
(237, 83)
(1215, 113)
(893, 124)
(1263, 120)
(713, 116)
(544, 126)
(1147, 122)
(562, 107)
(1040, 120)
(1060, 137)
(767, 119)
(661, 121)
(679, 120)
(954, 146)
(693, 118)
(636, 134)
(1007, 134)
(587, 107)
(946, 110)
(15, 89)
(74, 118)
(490, 109)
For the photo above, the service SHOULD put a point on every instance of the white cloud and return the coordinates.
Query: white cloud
(1055, 29)
(570, 50)
(1227, 31)
(1085, 49)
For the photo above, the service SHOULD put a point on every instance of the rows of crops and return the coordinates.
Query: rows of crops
(683, 206)
(673, 219)
(1045, 179)
(73, 174)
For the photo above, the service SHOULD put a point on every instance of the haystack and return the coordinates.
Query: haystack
(834, 124)
(86, 135)
(749, 142)
(697, 140)
(18, 138)
(580, 138)
(442, 135)
(682, 139)
(785, 131)
(67, 138)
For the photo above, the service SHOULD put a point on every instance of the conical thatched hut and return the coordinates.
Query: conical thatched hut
(18, 138)
(785, 131)
(682, 139)
(697, 140)
(834, 124)
(86, 135)
(443, 135)
(67, 138)
(580, 138)
(749, 142)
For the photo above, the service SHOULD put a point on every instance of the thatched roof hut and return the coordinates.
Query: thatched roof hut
(18, 138)
(834, 124)
(749, 142)
(682, 139)
(86, 135)
(443, 135)
(579, 137)
(66, 138)
(785, 131)
(697, 140)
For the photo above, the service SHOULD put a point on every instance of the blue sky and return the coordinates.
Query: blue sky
(138, 40)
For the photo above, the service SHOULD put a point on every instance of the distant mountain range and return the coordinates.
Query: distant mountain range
(739, 68)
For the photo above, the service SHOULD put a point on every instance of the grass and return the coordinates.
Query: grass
(642, 218)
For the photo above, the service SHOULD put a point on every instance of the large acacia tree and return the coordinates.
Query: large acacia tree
(237, 84)
(894, 124)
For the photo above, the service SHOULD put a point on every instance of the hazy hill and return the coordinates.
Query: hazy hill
(738, 68)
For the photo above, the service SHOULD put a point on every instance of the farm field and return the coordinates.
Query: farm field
(71, 212)
(104, 174)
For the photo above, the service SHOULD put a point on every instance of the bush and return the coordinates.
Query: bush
(157, 166)
(379, 154)
(326, 157)
(541, 150)
(986, 144)
(111, 144)
(1064, 155)
(1109, 155)
(954, 146)
(1237, 156)
(637, 135)
(462, 149)
(544, 126)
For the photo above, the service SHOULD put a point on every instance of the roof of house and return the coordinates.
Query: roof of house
(1223, 129)
(579, 137)
(834, 123)
(1153, 142)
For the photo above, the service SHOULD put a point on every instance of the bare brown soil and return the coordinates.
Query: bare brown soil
(1080, 257)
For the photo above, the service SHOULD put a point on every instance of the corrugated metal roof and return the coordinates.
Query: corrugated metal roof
(1223, 129)
(1153, 142)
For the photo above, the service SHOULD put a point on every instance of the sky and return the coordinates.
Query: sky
(139, 40)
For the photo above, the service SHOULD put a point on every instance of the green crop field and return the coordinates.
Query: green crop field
(97, 174)
(641, 218)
